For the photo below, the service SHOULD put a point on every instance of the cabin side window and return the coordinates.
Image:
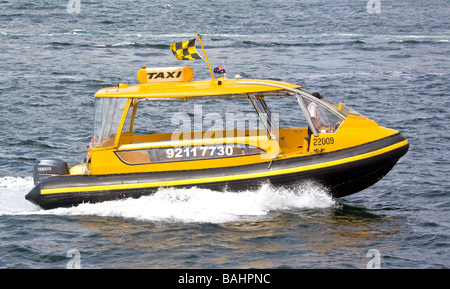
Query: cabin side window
(213, 118)
(128, 124)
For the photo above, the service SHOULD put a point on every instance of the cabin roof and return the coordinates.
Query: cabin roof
(193, 88)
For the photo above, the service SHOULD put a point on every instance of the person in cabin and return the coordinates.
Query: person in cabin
(315, 116)
(313, 111)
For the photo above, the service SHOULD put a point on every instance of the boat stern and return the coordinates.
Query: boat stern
(45, 169)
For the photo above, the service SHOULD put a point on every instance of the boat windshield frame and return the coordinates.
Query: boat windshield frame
(302, 94)
(112, 113)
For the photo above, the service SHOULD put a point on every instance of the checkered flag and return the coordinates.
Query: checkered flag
(185, 50)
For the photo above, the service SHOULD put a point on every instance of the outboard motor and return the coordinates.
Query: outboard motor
(49, 167)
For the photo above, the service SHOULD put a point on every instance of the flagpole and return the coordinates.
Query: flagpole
(206, 57)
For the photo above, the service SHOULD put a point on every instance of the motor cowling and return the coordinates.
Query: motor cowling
(45, 168)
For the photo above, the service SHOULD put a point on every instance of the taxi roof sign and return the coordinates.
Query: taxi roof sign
(165, 74)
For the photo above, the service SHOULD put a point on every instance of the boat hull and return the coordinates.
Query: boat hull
(341, 172)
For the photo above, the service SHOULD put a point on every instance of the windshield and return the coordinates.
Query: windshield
(323, 119)
(107, 115)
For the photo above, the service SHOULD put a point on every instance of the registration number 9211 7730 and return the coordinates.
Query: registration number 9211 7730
(211, 151)
(175, 154)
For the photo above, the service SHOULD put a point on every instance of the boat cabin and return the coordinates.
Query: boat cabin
(127, 139)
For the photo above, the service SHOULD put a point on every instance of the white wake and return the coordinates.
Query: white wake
(177, 205)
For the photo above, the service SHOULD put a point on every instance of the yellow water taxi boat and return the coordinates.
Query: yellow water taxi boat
(338, 147)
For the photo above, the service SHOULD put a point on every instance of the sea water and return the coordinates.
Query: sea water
(389, 60)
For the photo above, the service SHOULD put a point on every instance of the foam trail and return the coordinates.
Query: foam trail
(206, 206)
(12, 195)
(176, 205)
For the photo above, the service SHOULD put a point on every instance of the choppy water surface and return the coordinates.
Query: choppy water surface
(392, 66)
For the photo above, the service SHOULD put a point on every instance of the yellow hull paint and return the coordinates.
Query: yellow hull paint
(227, 178)
(353, 132)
